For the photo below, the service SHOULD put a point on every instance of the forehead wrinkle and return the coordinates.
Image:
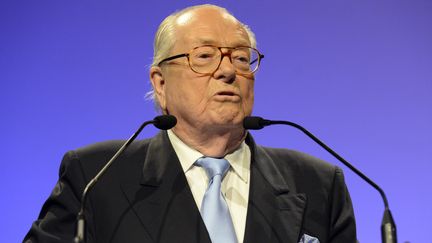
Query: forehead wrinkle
(209, 36)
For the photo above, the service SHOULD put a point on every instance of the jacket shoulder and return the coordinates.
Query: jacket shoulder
(93, 157)
(110, 147)
(287, 157)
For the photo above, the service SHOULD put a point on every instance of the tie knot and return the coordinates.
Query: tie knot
(213, 166)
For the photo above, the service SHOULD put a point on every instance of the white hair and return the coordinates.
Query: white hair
(165, 37)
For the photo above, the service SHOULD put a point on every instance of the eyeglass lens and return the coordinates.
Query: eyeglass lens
(206, 59)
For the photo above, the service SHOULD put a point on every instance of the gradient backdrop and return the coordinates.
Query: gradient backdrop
(358, 74)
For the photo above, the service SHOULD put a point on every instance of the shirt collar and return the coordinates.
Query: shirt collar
(238, 159)
(186, 154)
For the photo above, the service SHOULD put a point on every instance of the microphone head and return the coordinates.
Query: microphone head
(253, 122)
(165, 122)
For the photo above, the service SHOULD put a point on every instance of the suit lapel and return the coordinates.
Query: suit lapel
(159, 196)
(275, 213)
(162, 199)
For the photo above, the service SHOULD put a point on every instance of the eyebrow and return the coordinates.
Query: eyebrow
(206, 41)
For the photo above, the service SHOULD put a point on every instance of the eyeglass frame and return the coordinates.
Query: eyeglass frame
(260, 56)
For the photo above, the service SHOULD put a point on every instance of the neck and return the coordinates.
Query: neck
(212, 142)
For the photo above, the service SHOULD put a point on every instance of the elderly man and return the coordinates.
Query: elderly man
(205, 180)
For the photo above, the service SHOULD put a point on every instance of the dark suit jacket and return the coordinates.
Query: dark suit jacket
(144, 197)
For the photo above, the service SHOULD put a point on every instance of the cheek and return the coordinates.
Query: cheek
(248, 96)
(183, 90)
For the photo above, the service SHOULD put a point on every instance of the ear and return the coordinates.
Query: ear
(158, 83)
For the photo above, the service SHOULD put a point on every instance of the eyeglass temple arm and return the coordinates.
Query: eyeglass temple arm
(173, 57)
(261, 56)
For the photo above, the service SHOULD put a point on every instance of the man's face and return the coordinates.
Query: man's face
(221, 99)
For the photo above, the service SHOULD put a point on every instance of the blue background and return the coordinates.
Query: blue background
(358, 74)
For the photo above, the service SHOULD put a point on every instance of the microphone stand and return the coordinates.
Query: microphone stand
(164, 122)
(388, 226)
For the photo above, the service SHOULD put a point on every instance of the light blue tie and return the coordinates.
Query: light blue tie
(214, 209)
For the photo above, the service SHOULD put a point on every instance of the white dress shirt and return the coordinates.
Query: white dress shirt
(235, 184)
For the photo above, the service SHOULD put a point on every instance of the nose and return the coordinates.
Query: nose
(226, 70)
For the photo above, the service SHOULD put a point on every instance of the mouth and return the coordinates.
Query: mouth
(227, 96)
(227, 93)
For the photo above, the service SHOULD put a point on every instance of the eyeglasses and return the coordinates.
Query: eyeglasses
(207, 59)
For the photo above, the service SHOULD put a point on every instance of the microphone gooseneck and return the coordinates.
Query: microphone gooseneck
(388, 226)
(163, 122)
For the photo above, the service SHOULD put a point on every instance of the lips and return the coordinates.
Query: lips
(229, 93)
(227, 96)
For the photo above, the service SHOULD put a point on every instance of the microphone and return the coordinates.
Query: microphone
(388, 226)
(163, 122)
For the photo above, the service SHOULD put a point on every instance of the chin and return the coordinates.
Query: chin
(227, 116)
(231, 119)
